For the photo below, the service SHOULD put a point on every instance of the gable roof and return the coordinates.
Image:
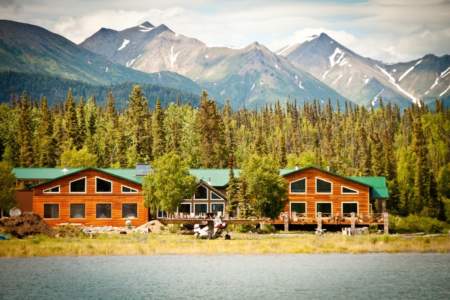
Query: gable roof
(217, 178)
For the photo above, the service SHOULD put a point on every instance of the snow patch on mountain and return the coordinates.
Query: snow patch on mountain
(131, 62)
(445, 91)
(409, 70)
(375, 99)
(253, 86)
(300, 85)
(397, 86)
(173, 57)
(349, 80)
(445, 72)
(145, 28)
(124, 44)
(336, 57)
(337, 79)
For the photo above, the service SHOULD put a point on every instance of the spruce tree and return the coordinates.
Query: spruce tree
(158, 135)
(25, 132)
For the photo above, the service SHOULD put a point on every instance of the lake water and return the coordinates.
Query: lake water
(337, 276)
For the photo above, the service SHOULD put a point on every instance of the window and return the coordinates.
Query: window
(324, 208)
(323, 186)
(184, 208)
(298, 207)
(201, 209)
(216, 207)
(78, 185)
(127, 189)
(201, 193)
(103, 211)
(103, 185)
(129, 210)
(77, 211)
(214, 196)
(53, 190)
(51, 211)
(162, 214)
(346, 190)
(298, 186)
(349, 207)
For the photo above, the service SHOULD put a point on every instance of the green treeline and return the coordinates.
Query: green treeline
(411, 148)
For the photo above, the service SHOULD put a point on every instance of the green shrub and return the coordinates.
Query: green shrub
(415, 223)
(244, 228)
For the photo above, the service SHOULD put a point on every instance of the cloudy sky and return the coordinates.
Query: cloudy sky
(390, 30)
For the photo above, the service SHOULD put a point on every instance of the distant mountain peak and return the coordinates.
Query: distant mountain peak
(147, 24)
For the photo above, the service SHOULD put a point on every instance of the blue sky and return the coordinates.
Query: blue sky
(390, 30)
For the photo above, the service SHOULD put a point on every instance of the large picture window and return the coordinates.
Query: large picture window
(129, 210)
(201, 209)
(184, 208)
(103, 185)
(201, 193)
(349, 207)
(103, 211)
(325, 208)
(77, 210)
(51, 211)
(78, 185)
(299, 186)
(323, 186)
(214, 196)
(299, 208)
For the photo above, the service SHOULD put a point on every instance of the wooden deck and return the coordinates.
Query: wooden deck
(369, 219)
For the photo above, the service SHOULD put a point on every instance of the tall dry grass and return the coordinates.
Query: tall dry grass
(246, 244)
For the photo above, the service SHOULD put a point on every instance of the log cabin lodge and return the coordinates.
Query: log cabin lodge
(109, 197)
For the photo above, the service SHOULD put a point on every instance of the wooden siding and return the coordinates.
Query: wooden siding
(64, 198)
(335, 197)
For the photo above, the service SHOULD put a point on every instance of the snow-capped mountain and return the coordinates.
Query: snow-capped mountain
(250, 76)
(364, 80)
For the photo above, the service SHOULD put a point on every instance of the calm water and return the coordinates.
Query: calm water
(372, 276)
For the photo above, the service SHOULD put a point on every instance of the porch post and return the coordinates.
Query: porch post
(353, 220)
(286, 222)
(386, 222)
(319, 221)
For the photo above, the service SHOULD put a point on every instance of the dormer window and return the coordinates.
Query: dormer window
(215, 196)
(298, 186)
(128, 190)
(201, 193)
(103, 185)
(53, 190)
(323, 186)
(78, 185)
(347, 190)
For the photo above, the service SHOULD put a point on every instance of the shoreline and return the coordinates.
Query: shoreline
(241, 244)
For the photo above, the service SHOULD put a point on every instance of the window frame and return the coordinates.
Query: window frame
(343, 193)
(290, 207)
(324, 202)
(349, 202)
(201, 203)
(110, 203)
(137, 210)
(51, 203)
(85, 185)
(326, 180)
(50, 188)
(110, 181)
(298, 193)
(202, 199)
(217, 203)
(70, 210)
(129, 187)
(185, 203)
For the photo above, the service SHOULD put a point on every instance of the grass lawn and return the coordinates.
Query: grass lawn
(166, 243)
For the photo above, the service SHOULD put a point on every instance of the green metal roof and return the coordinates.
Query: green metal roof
(214, 177)
(377, 183)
